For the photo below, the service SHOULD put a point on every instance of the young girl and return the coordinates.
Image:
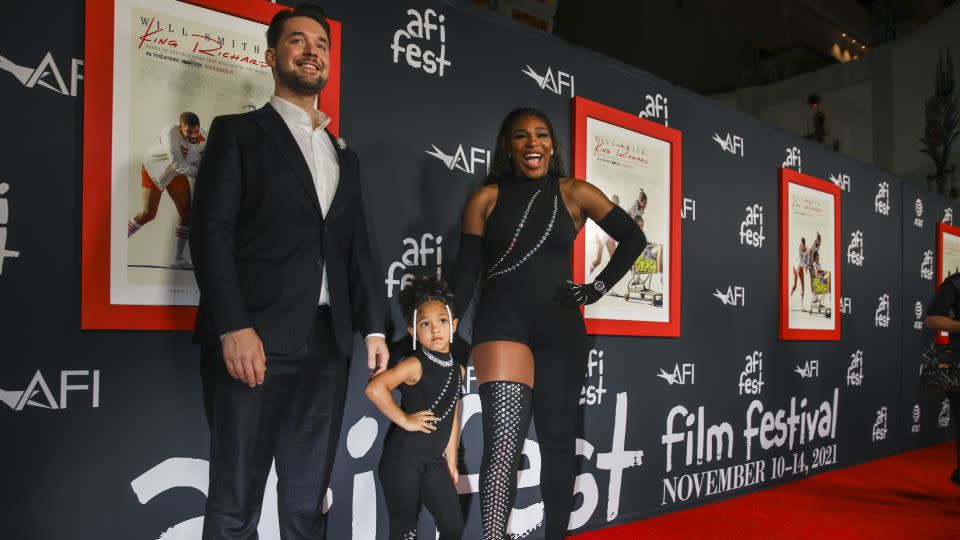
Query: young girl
(419, 461)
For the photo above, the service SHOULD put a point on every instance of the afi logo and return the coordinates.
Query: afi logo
(855, 371)
(751, 379)
(656, 108)
(31, 397)
(417, 255)
(842, 181)
(915, 428)
(548, 81)
(732, 144)
(810, 370)
(880, 425)
(948, 216)
(4, 220)
(592, 391)
(846, 306)
(735, 295)
(689, 209)
(460, 160)
(918, 313)
(855, 249)
(881, 203)
(423, 28)
(751, 228)
(926, 267)
(944, 418)
(681, 374)
(793, 158)
(881, 317)
(918, 208)
(41, 75)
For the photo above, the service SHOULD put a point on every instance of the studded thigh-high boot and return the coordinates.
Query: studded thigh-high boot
(506, 417)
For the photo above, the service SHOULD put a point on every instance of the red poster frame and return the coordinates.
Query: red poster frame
(942, 229)
(582, 109)
(97, 313)
(788, 176)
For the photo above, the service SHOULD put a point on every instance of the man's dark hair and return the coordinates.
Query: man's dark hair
(189, 119)
(303, 10)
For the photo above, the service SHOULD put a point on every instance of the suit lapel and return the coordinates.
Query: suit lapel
(279, 134)
(346, 174)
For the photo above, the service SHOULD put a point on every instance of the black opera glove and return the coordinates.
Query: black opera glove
(581, 294)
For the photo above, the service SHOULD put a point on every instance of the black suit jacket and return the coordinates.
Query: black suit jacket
(260, 241)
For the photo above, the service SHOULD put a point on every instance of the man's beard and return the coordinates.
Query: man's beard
(300, 85)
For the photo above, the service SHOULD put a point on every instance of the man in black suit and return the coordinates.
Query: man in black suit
(282, 260)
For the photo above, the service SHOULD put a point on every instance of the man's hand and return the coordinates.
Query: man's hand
(377, 355)
(244, 357)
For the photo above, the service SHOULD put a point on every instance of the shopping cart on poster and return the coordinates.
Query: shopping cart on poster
(822, 290)
(639, 288)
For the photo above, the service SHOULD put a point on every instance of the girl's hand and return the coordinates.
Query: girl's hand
(422, 421)
(452, 467)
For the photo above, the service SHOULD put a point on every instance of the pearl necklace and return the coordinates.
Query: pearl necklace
(442, 363)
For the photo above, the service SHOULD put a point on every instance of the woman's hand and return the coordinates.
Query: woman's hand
(451, 457)
(422, 421)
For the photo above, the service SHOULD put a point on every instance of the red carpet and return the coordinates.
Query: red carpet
(903, 496)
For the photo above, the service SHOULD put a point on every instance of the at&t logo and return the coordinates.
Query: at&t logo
(810, 370)
(38, 394)
(918, 208)
(855, 371)
(732, 144)
(926, 267)
(918, 313)
(948, 216)
(4, 221)
(681, 374)
(417, 255)
(880, 425)
(41, 75)
(751, 379)
(425, 28)
(881, 317)
(842, 181)
(915, 428)
(656, 109)
(561, 84)
(735, 295)
(792, 159)
(751, 228)
(592, 391)
(462, 160)
(943, 420)
(855, 249)
(881, 203)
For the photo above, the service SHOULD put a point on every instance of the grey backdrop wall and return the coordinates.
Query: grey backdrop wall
(118, 448)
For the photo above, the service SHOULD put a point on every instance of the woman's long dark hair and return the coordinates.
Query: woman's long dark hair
(502, 164)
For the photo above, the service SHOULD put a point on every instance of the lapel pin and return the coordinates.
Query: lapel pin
(341, 144)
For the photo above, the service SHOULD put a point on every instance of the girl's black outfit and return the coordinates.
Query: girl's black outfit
(412, 467)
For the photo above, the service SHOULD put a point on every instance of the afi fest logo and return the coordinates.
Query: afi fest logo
(918, 313)
(793, 158)
(751, 378)
(46, 74)
(418, 255)
(879, 432)
(689, 209)
(751, 228)
(561, 84)
(842, 181)
(855, 371)
(681, 374)
(846, 305)
(4, 221)
(926, 267)
(592, 391)
(918, 208)
(810, 370)
(855, 249)
(428, 30)
(915, 428)
(881, 318)
(944, 419)
(881, 203)
(947, 216)
(731, 144)
(462, 160)
(656, 109)
(70, 381)
(735, 295)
